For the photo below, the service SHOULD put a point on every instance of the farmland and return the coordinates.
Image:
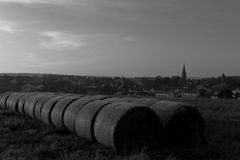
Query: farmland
(22, 137)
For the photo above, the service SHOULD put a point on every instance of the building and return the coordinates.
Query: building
(184, 74)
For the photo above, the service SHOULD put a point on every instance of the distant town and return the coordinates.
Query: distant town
(166, 87)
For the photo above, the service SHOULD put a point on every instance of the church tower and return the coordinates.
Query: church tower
(184, 74)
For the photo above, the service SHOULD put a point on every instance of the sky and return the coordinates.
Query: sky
(120, 37)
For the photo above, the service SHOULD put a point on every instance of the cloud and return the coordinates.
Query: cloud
(31, 1)
(28, 58)
(7, 27)
(60, 41)
(34, 61)
(31, 60)
(53, 2)
(128, 38)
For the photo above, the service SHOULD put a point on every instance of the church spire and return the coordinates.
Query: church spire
(184, 74)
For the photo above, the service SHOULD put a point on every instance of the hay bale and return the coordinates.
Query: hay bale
(86, 117)
(127, 127)
(9, 100)
(27, 103)
(99, 97)
(32, 104)
(40, 103)
(145, 101)
(26, 106)
(183, 123)
(14, 102)
(4, 99)
(58, 111)
(1, 99)
(72, 110)
(48, 107)
(125, 99)
(22, 101)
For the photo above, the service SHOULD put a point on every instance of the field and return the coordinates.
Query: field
(24, 138)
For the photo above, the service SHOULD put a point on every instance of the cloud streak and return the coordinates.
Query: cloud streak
(33, 60)
(60, 41)
(33, 1)
(52, 2)
(7, 27)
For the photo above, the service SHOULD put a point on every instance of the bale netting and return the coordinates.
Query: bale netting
(86, 117)
(183, 124)
(127, 127)
(48, 107)
(58, 110)
(70, 114)
(40, 103)
(145, 101)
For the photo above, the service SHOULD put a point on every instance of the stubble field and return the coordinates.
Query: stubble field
(22, 137)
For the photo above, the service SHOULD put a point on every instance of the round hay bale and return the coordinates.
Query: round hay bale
(72, 110)
(40, 103)
(4, 99)
(86, 117)
(145, 101)
(99, 97)
(58, 111)
(183, 123)
(125, 99)
(9, 100)
(32, 103)
(1, 97)
(21, 102)
(27, 103)
(48, 107)
(13, 104)
(127, 127)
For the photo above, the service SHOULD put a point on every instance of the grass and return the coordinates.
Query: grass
(24, 138)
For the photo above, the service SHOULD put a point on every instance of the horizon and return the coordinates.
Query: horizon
(170, 76)
(132, 38)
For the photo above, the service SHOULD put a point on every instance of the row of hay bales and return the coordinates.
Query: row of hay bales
(121, 123)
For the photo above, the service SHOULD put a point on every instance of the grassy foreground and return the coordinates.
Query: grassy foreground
(23, 138)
